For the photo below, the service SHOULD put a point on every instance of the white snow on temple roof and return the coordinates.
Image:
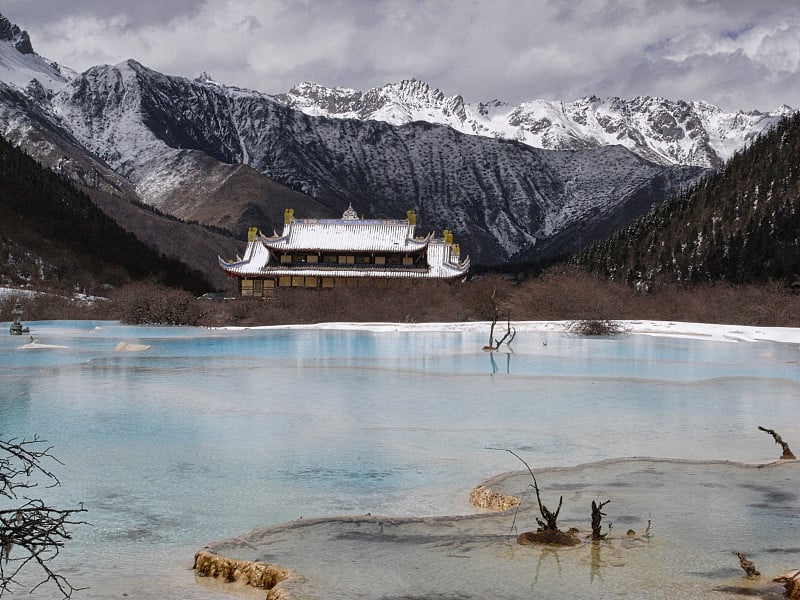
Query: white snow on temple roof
(339, 235)
(442, 264)
(256, 257)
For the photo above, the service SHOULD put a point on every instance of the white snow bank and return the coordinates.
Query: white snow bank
(728, 333)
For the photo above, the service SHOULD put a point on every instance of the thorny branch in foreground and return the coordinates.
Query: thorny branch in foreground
(31, 533)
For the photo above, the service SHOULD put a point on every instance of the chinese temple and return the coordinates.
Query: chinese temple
(327, 253)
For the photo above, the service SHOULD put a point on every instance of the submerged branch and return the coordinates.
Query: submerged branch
(787, 452)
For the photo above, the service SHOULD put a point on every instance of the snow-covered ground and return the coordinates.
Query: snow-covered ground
(728, 333)
(5, 291)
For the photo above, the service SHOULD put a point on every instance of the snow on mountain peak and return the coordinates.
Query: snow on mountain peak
(20, 65)
(658, 129)
(205, 78)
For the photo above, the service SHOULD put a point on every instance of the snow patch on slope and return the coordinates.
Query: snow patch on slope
(19, 65)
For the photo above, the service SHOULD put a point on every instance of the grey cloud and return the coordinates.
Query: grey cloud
(139, 13)
(735, 53)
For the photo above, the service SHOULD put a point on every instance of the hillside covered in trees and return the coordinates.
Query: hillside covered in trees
(740, 224)
(54, 236)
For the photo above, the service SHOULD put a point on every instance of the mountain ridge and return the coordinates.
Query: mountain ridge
(661, 130)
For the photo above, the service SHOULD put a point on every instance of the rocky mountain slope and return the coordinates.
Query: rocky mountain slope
(501, 197)
(233, 158)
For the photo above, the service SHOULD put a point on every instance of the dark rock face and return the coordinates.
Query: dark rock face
(12, 33)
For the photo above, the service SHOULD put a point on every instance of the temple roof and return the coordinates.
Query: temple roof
(338, 235)
(348, 235)
(442, 264)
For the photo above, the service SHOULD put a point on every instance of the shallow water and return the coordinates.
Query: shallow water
(688, 519)
(209, 434)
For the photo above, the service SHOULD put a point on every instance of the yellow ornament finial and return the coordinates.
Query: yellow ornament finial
(412, 217)
(288, 215)
(252, 232)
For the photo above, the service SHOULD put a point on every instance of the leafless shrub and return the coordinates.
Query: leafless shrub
(150, 303)
(596, 327)
(563, 295)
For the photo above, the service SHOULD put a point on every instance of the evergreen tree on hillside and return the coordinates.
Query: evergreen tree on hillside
(53, 234)
(740, 224)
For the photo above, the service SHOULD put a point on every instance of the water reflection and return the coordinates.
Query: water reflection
(594, 571)
(494, 362)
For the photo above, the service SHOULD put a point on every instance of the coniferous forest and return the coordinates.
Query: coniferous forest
(739, 225)
(53, 236)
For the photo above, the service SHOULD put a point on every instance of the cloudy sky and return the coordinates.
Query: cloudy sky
(737, 54)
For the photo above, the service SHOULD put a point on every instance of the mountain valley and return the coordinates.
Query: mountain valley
(515, 184)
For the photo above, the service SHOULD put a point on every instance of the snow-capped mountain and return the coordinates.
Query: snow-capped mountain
(233, 158)
(659, 130)
(21, 66)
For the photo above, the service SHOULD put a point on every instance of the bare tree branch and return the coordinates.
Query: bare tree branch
(550, 518)
(494, 344)
(597, 517)
(32, 533)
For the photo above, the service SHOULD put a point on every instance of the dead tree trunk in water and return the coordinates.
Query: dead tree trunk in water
(597, 517)
(510, 331)
(787, 452)
(748, 566)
